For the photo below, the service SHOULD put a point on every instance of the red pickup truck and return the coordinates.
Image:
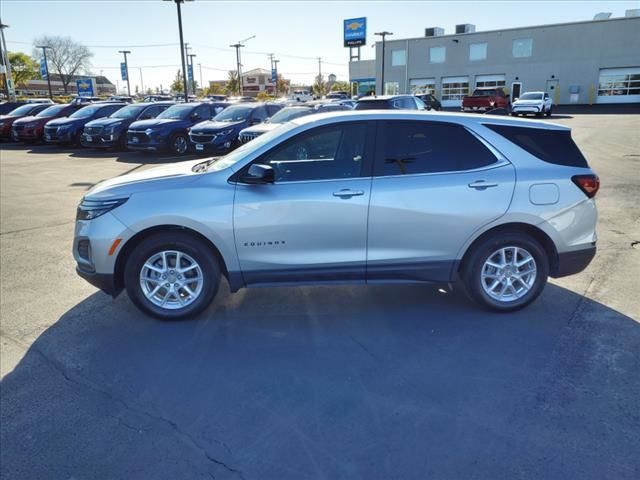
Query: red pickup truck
(484, 99)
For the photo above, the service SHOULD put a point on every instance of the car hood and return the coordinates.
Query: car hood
(211, 126)
(105, 122)
(157, 123)
(29, 119)
(261, 128)
(147, 180)
(59, 122)
(9, 117)
(527, 102)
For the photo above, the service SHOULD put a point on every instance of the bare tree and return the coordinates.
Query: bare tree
(66, 57)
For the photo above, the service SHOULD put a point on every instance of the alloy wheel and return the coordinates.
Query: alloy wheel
(508, 274)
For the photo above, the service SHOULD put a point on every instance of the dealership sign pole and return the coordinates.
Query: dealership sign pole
(355, 35)
(125, 70)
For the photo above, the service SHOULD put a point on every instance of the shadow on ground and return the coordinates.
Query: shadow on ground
(329, 382)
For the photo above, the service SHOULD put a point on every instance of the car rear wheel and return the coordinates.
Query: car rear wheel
(179, 144)
(172, 275)
(506, 271)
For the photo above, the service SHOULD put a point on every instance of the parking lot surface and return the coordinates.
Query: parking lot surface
(349, 382)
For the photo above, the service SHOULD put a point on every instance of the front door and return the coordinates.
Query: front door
(553, 89)
(311, 223)
(516, 89)
(434, 185)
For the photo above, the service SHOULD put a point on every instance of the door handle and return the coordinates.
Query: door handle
(348, 193)
(482, 185)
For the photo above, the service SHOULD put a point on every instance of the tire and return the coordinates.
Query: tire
(549, 111)
(514, 114)
(193, 251)
(176, 144)
(478, 276)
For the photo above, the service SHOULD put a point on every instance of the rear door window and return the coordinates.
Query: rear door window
(551, 146)
(414, 147)
(259, 114)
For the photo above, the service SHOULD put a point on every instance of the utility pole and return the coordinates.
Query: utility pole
(275, 66)
(200, 68)
(126, 69)
(193, 79)
(238, 46)
(184, 68)
(383, 35)
(46, 66)
(319, 67)
(11, 92)
(141, 82)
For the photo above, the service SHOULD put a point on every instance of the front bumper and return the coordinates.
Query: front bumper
(59, 138)
(103, 281)
(215, 145)
(526, 109)
(99, 141)
(570, 263)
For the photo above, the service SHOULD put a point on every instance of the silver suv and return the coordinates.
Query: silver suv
(496, 204)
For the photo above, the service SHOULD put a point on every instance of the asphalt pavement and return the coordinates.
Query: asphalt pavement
(354, 382)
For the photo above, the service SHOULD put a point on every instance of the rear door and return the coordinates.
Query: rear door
(311, 223)
(434, 184)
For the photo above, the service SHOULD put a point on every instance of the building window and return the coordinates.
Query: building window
(437, 54)
(398, 58)
(251, 79)
(422, 85)
(619, 82)
(391, 88)
(522, 47)
(490, 81)
(477, 51)
(454, 88)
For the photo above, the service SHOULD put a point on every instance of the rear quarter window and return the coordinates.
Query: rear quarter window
(551, 146)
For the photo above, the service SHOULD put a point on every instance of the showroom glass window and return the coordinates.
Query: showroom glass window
(333, 152)
(522, 47)
(477, 51)
(398, 58)
(422, 85)
(391, 88)
(437, 54)
(429, 147)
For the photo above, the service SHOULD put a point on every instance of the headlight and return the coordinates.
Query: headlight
(148, 131)
(225, 133)
(64, 128)
(110, 129)
(90, 209)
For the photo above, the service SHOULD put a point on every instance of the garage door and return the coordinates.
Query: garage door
(619, 85)
(453, 89)
(490, 81)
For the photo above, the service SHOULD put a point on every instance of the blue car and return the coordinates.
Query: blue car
(68, 130)
(112, 131)
(169, 130)
(220, 135)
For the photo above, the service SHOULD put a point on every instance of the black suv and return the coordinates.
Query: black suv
(390, 102)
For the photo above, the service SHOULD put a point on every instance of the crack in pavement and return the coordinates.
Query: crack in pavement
(363, 347)
(174, 426)
(37, 228)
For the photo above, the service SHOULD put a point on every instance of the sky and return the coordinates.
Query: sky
(297, 32)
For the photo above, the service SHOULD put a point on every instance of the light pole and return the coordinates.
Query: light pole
(275, 67)
(46, 66)
(184, 68)
(200, 68)
(193, 79)
(238, 46)
(126, 69)
(383, 35)
(11, 92)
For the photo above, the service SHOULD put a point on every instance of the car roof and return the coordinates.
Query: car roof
(452, 117)
(382, 97)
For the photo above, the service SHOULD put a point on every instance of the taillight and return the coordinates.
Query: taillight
(589, 184)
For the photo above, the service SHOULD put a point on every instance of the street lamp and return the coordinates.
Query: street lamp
(238, 46)
(383, 35)
(126, 69)
(46, 66)
(184, 68)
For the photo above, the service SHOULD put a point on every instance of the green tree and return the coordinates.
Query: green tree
(232, 87)
(283, 85)
(214, 89)
(263, 96)
(319, 88)
(177, 85)
(65, 57)
(23, 68)
(341, 86)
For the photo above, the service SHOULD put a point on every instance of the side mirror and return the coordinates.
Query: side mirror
(195, 117)
(259, 174)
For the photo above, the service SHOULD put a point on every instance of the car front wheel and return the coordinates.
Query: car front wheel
(172, 275)
(506, 272)
(179, 144)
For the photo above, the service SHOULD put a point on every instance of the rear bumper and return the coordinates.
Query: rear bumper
(103, 281)
(570, 263)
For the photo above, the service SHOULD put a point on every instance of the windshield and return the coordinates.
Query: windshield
(484, 93)
(531, 96)
(86, 112)
(234, 114)
(131, 111)
(177, 112)
(238, 154)
(51, 111)
(21, 110)
(288, 114)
